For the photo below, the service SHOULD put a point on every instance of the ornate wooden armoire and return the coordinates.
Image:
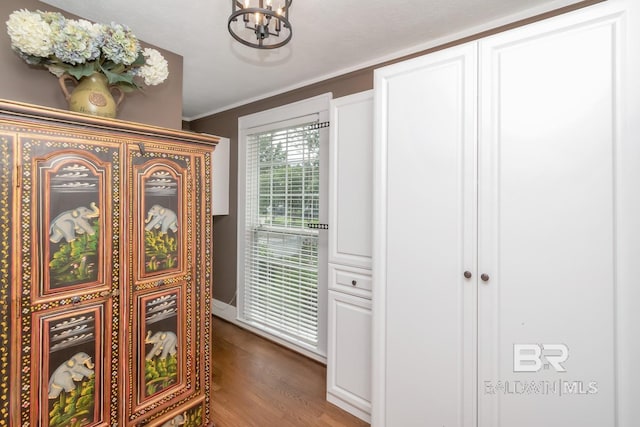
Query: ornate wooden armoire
(105, 271)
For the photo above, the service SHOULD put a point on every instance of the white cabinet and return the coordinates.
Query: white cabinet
(350, 280)
(348, 374)
(220, 176)
(426, 238)
(350, 216)
(350, 180)
(505, 171)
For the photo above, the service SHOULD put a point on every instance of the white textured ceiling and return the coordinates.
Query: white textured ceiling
(329, 37)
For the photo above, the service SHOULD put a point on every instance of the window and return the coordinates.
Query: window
(281, 268)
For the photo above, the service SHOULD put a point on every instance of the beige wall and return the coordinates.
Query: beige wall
(158, 105)
(226, 124)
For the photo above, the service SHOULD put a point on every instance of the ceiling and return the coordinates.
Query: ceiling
(330, 37)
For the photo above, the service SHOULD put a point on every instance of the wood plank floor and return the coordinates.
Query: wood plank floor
(260, 384)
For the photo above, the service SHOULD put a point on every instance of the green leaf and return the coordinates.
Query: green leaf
(115, 78)
(128, 87)
(113, 67)
(31, 60)
(81, 70)
(140, 61)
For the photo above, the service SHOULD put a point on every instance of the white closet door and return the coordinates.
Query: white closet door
(549, 114)
(424, 326)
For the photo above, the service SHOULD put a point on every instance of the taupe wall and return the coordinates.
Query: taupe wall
(226, 124)
(158, 105)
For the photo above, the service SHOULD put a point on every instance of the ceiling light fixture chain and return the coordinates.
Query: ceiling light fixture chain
(260, 25)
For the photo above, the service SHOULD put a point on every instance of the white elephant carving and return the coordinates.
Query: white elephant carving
(164, 344)
(178, 420)
(65, 375)
(162, 218)
(72, 222)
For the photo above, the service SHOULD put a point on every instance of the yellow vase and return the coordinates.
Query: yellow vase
(91, 95)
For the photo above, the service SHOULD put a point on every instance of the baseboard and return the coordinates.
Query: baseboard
(346, 406)
(224, 311)
(230, 314)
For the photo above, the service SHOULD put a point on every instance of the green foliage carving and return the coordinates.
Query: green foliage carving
(194, 417)
(74, 409)
(161, 251)
(73, 261)
(160, 373)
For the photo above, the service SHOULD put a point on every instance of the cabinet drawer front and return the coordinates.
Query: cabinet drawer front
(350, 280)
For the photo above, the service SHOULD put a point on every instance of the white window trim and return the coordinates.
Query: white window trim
(250, 124)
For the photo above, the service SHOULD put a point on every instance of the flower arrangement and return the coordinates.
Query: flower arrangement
(80, 48)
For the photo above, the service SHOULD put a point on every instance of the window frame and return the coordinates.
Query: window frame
(290, 114)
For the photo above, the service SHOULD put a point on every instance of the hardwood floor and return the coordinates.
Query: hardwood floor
(260, 384)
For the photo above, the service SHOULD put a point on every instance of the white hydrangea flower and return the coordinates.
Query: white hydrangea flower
(155, 70)
(29, 33)
(79, 48)
(95, 31)
(120, 45)
(77, 42)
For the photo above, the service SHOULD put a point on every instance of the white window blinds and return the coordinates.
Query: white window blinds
(281, 253)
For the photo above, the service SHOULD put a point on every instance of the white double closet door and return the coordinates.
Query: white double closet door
(505, 232)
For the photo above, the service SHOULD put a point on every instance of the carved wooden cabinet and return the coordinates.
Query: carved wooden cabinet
(106, 265)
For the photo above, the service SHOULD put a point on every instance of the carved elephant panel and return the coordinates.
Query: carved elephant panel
(160, 350)
(72, 222)
(76, 365)
(74, 192)
(161, 218)
(160, 213)
(164, 344)
(77, 368)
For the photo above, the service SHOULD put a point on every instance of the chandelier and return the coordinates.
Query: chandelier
(260, 26)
